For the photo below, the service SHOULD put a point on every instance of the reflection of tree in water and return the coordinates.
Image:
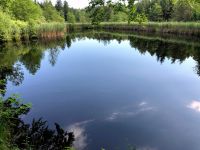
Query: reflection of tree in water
(68, 41)
(32, 54)
(163, 50)
(13, 73)
(32, 60)
(197, 59)
(40, 137)
(16, 76)
(53, 55)
(14, 55)
(174, 50)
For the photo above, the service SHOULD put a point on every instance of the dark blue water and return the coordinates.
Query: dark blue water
(113, 94)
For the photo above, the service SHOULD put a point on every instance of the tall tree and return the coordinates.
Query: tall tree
(50, 13)
(96, 11)
(59, 5)
(131, 10)
(167, 8)
(155, 13)
(65, 10)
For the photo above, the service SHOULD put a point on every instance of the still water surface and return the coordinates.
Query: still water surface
(113, 91)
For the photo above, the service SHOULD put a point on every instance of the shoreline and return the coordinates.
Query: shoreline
(59, 30)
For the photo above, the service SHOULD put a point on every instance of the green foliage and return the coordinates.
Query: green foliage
(167, 8)
(155, 12)
(6, 5)
(24, 19)
(26, 10)
(5, 27)
(12, 108)
(119, 17)
(183, 11)
(96, 11)
(140, 18)
(65, 10)
(131, 10)
(50, 13)
(71, 18)
(59, 6)
(10, 29)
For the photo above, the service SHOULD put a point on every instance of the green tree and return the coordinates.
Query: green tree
(65, 10)
(71, 18)
(119, 17)
(108, 9)
(26, 10)
(140, 18)
(50, 13)
(96, 11)
(183, 11)
(83, 17)
(131, 10)
(155, 12)
(167, 8)
(144, 6)
(59, 7)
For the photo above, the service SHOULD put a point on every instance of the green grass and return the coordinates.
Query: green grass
(50, 27)
(181, 28)
(49, 30)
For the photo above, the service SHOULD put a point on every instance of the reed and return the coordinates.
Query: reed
(180, 28)
(50, 30)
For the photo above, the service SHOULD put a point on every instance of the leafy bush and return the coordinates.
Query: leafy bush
(5, 23)
(12, 29)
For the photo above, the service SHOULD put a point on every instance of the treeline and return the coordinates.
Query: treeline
(143, 10)
(28, 19)
(69, 15)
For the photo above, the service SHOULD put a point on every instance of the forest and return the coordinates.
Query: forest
(26, 19)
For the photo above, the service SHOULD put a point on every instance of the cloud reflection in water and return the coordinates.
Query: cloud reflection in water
(146, 148)
(195, 105)
(78, 129)
(140, 108)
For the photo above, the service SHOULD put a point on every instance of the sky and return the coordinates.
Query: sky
(74, 3)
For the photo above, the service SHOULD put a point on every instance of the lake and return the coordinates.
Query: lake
(113, 90)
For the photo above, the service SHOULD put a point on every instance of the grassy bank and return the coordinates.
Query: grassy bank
(11, 30)
(178, 28)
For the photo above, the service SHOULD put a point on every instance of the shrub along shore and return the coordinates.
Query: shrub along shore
(176, 28)
(18, 30)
